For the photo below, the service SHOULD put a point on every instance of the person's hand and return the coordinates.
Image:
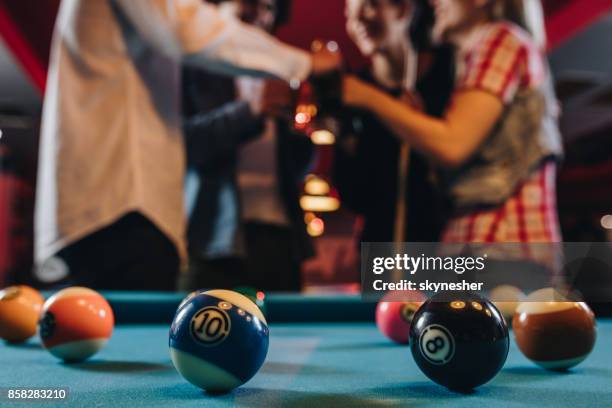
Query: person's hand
(325, 58)
(251, 90)
(277, 99)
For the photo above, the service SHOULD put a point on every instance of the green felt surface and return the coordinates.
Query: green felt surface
(309, 365)
(156, 307)
(159, 307)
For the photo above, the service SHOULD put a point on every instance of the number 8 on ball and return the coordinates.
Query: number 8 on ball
(437, 344)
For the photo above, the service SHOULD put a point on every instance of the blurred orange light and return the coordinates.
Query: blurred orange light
(457, 304)
(301, 118)
(309, 216)
(316, 186)
(311, 110)
(316, 227)
(322, 137)
(606, 221)
(319, 203)
(316, 45)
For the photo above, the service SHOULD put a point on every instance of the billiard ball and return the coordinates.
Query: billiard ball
(552, 331)
(20, 308)
(218, 340)
(459, 341)
(76, 323)
(257, 296)
(506, 298)
(187, 298)
(394, 315)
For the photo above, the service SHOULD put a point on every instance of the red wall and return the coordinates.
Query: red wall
(29, 34)
(320, 19)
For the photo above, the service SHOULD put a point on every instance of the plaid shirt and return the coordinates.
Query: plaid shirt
(501, 59)
(530, 215)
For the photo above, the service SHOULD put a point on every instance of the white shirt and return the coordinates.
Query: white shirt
(257, 166)
(111, 139)
(258, 179)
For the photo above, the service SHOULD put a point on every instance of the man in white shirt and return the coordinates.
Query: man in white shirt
(111, 165)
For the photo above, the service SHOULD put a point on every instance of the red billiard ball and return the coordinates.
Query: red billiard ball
(552, 331)
(20, 308)
(394, 314)
(76, 323)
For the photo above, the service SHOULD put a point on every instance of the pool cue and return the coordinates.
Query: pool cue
(403, 171)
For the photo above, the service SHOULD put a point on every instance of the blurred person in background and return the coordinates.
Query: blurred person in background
(109, 208)
(377, 174)
(497, 144)
(244, 163)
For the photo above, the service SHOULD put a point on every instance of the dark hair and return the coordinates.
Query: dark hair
(282, 14)
(421, 26)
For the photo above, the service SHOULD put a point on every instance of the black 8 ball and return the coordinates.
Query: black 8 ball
(459, 341)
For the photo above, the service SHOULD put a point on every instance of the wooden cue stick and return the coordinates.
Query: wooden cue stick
(399, 233)
(403, 171)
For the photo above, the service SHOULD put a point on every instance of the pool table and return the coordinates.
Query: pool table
(324, 351)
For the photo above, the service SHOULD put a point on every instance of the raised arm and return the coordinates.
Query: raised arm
(195, 32)
(449, 140)
(211, 136)
(490, 79)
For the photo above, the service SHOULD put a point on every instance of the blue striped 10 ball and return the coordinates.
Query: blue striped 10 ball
(218, 339)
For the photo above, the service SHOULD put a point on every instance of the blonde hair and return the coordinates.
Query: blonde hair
(527, 14)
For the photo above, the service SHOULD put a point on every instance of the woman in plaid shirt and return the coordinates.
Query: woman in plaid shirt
(498, 143)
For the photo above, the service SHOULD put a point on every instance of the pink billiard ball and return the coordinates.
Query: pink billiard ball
(394, 315)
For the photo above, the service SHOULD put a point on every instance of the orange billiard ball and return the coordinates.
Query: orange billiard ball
(76, 323)
(20, 308)
(553, 331)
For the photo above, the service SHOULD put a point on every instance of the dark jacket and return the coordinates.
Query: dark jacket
(215, 126)
(367, 165)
